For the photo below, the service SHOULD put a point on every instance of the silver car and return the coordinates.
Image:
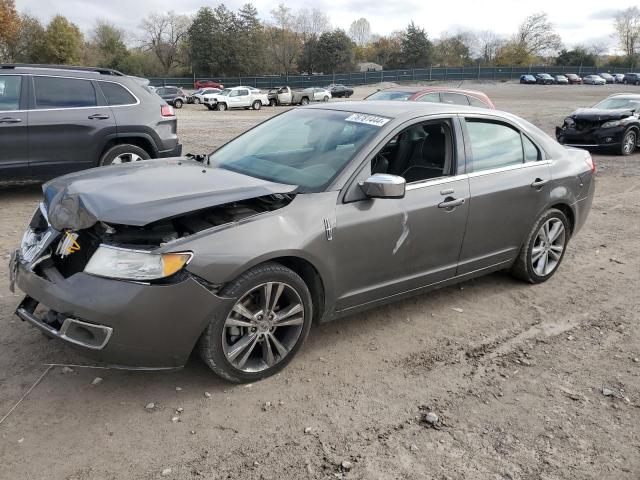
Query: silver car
(313, 215)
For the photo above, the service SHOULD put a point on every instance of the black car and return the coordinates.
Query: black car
(339, 91)
(611, 123)
(55, 120)
(544, 79)
(561, 80)
(631, 78)
(172, 95)
(528, 80)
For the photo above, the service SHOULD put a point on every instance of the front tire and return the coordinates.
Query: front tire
(124, 153)
(629, 142)
(304, 101)
(257, 105)
(544, 248)
(221, 107)
(177, 103)
(265, 327)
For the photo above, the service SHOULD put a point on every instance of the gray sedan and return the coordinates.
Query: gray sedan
(315, 214)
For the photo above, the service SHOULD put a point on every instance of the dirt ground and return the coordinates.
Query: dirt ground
(528, 382)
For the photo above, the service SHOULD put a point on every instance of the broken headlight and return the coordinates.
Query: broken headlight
(126, 264)
(617, 123)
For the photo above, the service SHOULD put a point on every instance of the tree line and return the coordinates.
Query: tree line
(221, 42)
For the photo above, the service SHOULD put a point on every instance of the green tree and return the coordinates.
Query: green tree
(386, 51)
(335, 52)
(417, 50)
(63, 42)
(308, 60)
(453, 51)
(202, 44)
(575, 57)
(250, 41)
(108, 46)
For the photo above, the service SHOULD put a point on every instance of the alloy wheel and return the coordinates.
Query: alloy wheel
(629, 143)
(263, 327)
(548, 247)
(126, 157)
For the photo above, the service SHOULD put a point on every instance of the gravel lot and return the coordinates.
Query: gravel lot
(528, 382)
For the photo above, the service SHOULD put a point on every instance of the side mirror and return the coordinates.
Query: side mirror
(383, 185)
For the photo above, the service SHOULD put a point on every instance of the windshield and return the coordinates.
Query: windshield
(387, 95)
(305, 147)
(619, 104)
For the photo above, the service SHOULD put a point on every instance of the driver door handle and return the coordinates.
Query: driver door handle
(451, 202)
(10, 120)
(98, 116)
(539, 183)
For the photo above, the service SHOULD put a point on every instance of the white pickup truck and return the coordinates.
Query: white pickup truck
(236, 97)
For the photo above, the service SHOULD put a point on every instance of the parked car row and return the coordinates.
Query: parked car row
(573, 79)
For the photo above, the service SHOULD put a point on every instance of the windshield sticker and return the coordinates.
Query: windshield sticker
(367, 119)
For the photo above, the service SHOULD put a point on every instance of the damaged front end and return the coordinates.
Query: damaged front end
(595, 128)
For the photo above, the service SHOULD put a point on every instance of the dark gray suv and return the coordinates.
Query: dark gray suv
(56, 120)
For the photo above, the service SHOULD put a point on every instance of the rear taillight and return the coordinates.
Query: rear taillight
(590, 162)
(167, 111)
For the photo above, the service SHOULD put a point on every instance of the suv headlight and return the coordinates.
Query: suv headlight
(617, 123)
(126, 264)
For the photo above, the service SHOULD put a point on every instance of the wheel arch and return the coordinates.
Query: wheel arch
(568, 212)
(141, 141)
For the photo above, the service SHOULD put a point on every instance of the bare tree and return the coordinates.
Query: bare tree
(285, 43)
(627, 29)
(310, 23)
(360, 32)
(536, 36)
(164, 34)
(487, 45)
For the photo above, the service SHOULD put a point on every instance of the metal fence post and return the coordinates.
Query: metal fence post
(445, 73)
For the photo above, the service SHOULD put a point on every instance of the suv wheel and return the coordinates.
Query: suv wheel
(257, 105)
(221, 107)
(124, 153)
(543, 249)
(177, 103)
(265, 327)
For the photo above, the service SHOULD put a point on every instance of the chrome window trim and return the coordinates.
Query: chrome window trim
(519, 166)
(436, 181)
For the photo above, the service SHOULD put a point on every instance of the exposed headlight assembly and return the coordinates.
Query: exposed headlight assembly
(126, 264)
(616, 123)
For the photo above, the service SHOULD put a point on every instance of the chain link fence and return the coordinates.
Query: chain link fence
(397, 76)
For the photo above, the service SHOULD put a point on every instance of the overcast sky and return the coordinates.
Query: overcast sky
(583, 22)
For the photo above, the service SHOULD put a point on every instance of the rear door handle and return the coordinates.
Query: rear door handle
(539, 183)
(98, 116)
(451, 202)
(10, 120)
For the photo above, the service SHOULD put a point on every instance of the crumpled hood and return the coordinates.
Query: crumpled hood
(599, 115)
(147, 191)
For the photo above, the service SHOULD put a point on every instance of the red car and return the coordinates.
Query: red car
(434, 95)
(573, 79)
(207, 84)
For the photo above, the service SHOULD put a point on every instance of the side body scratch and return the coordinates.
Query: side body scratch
(404, 234)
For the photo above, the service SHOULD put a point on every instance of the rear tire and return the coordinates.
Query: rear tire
(177, 103)
(211, 345)
(257, 105)
(304, 101)
(124, 153)
(325, 99)
(529, 268)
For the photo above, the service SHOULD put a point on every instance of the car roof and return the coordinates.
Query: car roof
(392, 109)
(419, 90)
(626, 96)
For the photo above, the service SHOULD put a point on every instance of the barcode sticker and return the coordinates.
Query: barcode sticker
(367, 119)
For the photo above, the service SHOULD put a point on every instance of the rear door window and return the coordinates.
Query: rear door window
(433, 97)
(117, 94)
(494, 145)
(56, 92)
(10, 88)
(477, 103)
(455, 98)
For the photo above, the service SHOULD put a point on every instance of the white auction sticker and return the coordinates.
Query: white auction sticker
(367, 119)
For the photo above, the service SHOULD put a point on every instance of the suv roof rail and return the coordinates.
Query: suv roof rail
(98, 70)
